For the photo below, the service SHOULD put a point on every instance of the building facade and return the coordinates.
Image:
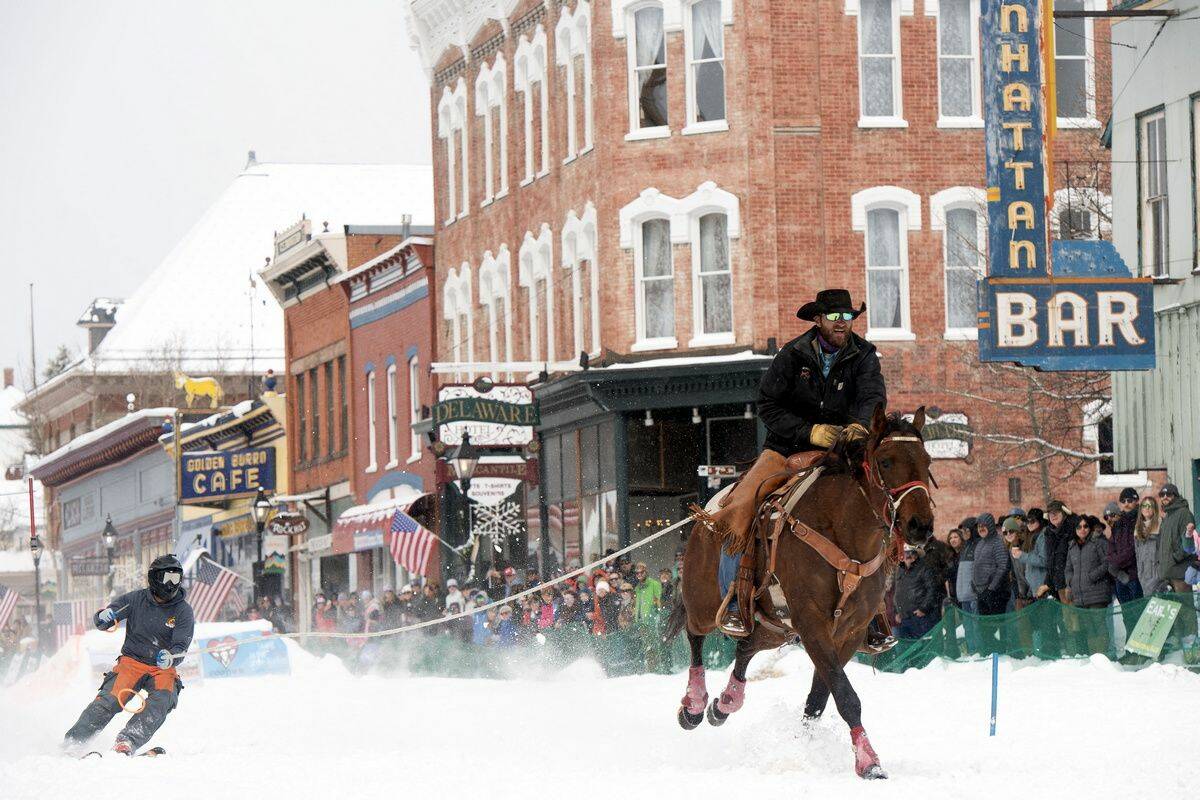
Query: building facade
(1155, 163)
(659, 185)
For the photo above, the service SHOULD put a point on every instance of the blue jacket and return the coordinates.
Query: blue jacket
(1037, 563)
(151, 626)
(991, 564)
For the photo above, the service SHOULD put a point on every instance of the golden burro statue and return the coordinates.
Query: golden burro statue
(200, 387)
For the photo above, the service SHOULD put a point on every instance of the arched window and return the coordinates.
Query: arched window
(885, 215)
(535, 272)
(529, 76)
(452, 127)
(960, 213)
(573, 51)
(490, 105)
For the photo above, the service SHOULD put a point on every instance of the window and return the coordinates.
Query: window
(958, 65)
(490, 103)
(393, 421)
(964, 263)
(656, 285)
(1073, 65)
(572, 49)
(316, 413)
(302, 417)
(879, 67)
(414, 408)
(1098, 432)
(452, 126)
(529, 75)
(1152, 189)
(885, 214)
(579, 256)
(1196, 181)
(706, 66)
(648, 73)
(713, 312)
(345, 401)
(536, 273)
(371, 444)
(330, 430)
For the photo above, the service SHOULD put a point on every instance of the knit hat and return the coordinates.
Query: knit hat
(1012, 524)
(1057, 507)
(1112, 510)
(1170, 489)
(603, 587)
(1129, 494)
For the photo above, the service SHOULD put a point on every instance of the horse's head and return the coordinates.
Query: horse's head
(898, 464)
(180, 379)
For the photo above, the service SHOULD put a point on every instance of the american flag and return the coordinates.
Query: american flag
(211, 588)
(411, 544)
(71, 617)
(8, 602)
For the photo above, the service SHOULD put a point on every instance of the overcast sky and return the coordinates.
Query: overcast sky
(122, 120)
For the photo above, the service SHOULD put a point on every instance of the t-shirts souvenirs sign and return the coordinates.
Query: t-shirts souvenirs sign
(226, 474)
(1064, 305)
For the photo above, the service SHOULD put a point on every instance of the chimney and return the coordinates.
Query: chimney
(98, 319)
(8, 377)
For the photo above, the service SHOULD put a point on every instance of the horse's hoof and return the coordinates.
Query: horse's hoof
(716, 717)
(873, 772)
(689, 722)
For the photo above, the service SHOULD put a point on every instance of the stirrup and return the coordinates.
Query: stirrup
(733, 626)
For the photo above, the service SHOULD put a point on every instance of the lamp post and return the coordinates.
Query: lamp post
(35, 549)
(110, 542)
(465, 457)
(261, 510)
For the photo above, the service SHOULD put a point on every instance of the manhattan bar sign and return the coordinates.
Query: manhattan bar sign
(1064, 305)
(481, 409)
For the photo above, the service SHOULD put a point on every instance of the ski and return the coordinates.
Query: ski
(152, 752)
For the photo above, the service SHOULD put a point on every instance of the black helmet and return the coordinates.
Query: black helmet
(165, 577)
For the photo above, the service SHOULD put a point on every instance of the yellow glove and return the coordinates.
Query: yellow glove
(856, 433)
(824, 435)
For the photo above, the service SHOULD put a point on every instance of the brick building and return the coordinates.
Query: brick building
(660, 184)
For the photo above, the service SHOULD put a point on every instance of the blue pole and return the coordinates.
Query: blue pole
(995, 689)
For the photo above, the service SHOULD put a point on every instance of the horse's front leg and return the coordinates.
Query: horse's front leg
(830, 668)
(691, 708)
(734, 695)
(818, 699)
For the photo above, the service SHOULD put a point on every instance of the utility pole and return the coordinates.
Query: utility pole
(32, 348)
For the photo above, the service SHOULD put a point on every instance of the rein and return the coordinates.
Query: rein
(894, 495)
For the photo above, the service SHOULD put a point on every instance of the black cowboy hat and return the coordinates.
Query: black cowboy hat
(829, 301)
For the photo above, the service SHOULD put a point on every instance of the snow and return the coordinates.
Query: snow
(727, 358)
(201, 304)
(1065, 729)
(84, 439)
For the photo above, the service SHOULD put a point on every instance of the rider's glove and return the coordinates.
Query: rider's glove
(824, 435)
(855, 432)
(106, 619)
(163, 660)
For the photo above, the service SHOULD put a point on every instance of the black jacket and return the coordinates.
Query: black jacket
(1059, 544)
(917, 590)
(151, 626)
(794, 395)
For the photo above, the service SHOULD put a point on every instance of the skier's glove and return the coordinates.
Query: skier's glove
(164, 659)
(106, 619)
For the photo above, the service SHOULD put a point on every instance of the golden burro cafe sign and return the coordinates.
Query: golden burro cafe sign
(1056, 305)
(227, 474)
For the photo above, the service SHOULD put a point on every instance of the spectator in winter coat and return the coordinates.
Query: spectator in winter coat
(453, 595)
(1019, 590)
(570, 614)
(608, 608)
(1036, 558)
(1087, 578)
(964, 590)
(1120, 553)
(1173, 555)
(990, 575)
(1145, 546)
(324, 615)
(505, 630)
(917, 599)
(937, 556)
(668, 587)
(1062, 531)
(545, 609)
(647, 594)
(954, 543)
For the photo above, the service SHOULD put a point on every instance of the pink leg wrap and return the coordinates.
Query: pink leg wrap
(732, 698)
(864, 754)
(697, 694)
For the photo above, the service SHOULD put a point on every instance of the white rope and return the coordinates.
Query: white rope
(479, 609)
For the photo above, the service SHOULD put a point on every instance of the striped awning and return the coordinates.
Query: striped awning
(365, 527)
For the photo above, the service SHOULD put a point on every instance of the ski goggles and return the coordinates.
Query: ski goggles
(172, 578)
(844, 316)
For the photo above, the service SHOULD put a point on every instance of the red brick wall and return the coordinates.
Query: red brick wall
(794, 155)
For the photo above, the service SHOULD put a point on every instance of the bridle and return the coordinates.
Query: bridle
(894, 495)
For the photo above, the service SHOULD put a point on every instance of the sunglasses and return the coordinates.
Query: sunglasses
(844, 316)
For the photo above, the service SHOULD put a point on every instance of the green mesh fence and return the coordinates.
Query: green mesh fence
(1048, 630)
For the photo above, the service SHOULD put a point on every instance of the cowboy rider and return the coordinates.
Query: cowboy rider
(822, 385)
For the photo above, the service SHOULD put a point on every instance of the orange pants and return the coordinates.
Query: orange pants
(130, 674)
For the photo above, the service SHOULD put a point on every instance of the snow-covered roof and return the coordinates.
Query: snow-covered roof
(201, 308)
(85, 439)
(725, 358)
(101, 311)
(382, 257)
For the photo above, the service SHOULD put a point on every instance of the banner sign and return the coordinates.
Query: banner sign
(89, 565)
(1150, 633)
(1070, 305)
(947, 434)
(237, 655)
(503, 415)
(222, 475)
(288, 523)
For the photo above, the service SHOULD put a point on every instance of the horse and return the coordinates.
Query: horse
(866, 493)
(200, 387)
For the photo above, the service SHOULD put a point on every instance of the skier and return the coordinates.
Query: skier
(159, 625)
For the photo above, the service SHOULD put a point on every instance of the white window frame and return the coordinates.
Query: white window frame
(1145, 202)
(900, 8)
(693, 126)
(535, 263)
(372, 444)
(1094, 412)
(956, 197)
(636, 132)
(452, 121)
(975, 119)
(908, 205)
(579, 246)
(1089, 68)
(490, 101)
(393, 422)
(701, 337)
(643, 342)
(530, 68)
(414, 408)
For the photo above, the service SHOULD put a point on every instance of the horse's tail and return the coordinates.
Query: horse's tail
(675, 620)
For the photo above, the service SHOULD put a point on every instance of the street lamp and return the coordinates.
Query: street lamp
(110, 542)
(261, 510)
(465, 458)
(35, 549)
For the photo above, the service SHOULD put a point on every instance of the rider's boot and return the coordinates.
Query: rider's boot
(879, 638)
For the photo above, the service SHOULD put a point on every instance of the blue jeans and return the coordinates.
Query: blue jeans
(914, 627)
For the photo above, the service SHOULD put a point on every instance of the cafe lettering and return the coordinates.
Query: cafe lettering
(213, 476)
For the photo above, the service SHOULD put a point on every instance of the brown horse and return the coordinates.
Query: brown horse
(865, 494)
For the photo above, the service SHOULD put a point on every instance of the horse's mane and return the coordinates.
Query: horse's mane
(847, 457)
